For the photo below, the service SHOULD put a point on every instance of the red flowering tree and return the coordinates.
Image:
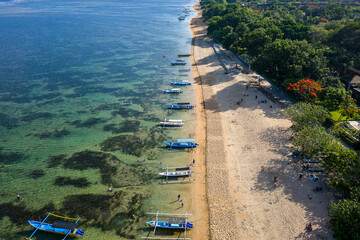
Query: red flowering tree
(307, 88)
(348, 109)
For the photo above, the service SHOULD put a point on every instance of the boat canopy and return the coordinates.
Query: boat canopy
(186, 140)
(176, 220)
(65, 225)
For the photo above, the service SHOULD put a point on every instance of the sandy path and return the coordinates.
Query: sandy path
(246, 146)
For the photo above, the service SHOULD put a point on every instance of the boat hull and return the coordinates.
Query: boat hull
(170, 226)
(179, 107)
(176, 174)
(46, 227)
(180, 145)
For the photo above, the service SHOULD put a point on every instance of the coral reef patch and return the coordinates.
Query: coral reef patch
(77, 182)
(113, 172)
(54, 134)
(7, 122)
(134, 144)
(126, 126)
(37, 173)
(11, 157)
(56, 160)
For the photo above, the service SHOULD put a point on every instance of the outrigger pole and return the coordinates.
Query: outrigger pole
(29, 238)
(70, 229)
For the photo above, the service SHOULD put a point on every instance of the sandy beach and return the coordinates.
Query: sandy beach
(245, 143)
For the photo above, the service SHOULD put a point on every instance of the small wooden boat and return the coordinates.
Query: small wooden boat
(179, 107)
(180, 83)
(178, 63)
(184, 70)
(171, 123)
(172, 223)
(176, 174)
(184, 144)
(184, 55)
(172, 91)
(179, 60)
(59, 227)
(181, 18)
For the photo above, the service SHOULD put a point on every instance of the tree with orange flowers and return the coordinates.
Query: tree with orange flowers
(306, 88)
(348, 109)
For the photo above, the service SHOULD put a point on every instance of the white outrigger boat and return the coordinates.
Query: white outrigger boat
(171, 123)
(176, 174)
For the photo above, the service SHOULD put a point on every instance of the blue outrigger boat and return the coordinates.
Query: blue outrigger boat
(178, 63)
(59, 227)
(180, 83)
(170, 224)
(179, 106)
(184, 70)
(185, 144)
(172, 91)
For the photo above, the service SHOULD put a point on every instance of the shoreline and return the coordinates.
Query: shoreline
(247, 145)
(198, 191)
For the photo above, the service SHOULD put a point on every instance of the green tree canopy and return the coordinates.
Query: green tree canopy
(306, 114)
(286, 59)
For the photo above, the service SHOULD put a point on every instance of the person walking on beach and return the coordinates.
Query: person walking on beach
(179, 197)
(18, 196)
(193, 161)
(182, 204)
(300, 176)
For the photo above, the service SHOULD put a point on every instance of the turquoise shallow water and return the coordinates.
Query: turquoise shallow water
(65, 67)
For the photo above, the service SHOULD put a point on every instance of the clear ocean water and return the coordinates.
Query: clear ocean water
(65, 137)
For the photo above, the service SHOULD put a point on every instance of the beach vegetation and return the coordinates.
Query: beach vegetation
(345, 217)
(312, 141)
(306, 88)
(306, 114)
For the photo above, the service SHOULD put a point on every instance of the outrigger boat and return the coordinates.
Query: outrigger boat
(185, 144)
(180, 83)
(172, 223)
(179, 106)
(176, 174)
(184, 55)
(59, 227)
(178, 63)
(171, 123)
(171, 91)
(184, 70)
(179, 60)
